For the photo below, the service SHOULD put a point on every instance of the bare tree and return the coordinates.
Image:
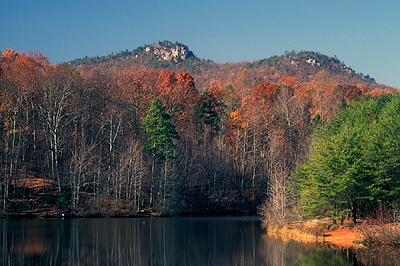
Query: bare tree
(132, 174)
(55, 114)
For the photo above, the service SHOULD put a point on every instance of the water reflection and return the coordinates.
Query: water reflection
(295, 253)
(155, 241)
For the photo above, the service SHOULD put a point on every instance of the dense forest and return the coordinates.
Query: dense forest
(354, 164)
(140, 140)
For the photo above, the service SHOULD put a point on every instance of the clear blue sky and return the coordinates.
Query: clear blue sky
(365, 34)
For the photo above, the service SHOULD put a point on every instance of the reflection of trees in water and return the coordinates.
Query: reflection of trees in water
(26, 237)
(163, 241)
(169, 241)
(379, 256)
(278, 252)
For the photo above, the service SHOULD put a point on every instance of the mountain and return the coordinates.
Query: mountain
(162, 55)
(178, 57)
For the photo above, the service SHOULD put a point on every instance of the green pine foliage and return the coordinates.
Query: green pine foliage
(354, 163)
(160, 130)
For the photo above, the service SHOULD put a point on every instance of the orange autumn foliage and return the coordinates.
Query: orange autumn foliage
(178, 94)
(377, 92)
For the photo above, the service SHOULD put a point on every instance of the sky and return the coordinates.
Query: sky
(364, 34)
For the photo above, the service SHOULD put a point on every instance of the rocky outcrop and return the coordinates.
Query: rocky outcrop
(169, 51)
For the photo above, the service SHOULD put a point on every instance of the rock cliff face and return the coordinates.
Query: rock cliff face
(168, 51)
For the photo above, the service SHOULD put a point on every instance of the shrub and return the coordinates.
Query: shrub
(380, 235)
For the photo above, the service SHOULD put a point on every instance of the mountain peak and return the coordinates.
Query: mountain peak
(167, 51)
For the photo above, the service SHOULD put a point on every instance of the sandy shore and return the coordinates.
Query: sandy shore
(341, 236)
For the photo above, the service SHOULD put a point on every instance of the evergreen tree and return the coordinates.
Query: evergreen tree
(161, 131)
(160, 141)
(354, 164)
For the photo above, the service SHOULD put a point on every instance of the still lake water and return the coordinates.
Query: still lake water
(155, 241)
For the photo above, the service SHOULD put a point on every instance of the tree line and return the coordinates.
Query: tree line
(354, 163)
(143, 140)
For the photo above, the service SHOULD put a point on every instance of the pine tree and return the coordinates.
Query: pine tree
(161, 131)
(354, 165)
(160, 141)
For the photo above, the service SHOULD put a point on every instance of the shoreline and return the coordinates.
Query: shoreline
(58, 214)
(341, 236)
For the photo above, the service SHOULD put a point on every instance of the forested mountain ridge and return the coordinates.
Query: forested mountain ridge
(206, 73)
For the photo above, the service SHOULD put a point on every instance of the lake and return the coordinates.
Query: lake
(156, 241)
